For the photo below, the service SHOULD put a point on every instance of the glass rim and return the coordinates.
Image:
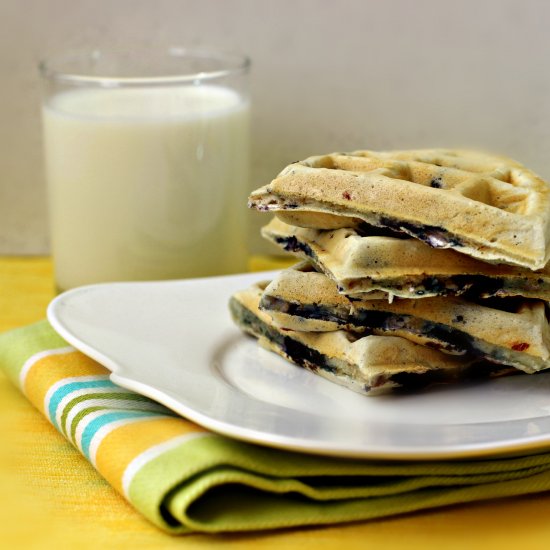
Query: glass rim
(236, 64)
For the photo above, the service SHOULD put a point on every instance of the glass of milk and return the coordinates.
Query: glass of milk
(147, 164)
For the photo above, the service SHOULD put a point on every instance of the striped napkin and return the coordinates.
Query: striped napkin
(184, 478)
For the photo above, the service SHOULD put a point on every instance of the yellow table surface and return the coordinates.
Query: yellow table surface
(51, 496)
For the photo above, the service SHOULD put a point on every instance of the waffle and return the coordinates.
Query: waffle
(487, 207)
(369, 365)
(511, 332)
(406, 268)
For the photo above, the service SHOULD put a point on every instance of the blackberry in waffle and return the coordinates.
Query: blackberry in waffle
(403, 267)
(484, 206)
(510, 332)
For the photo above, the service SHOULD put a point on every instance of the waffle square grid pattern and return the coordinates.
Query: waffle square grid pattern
(485, 206)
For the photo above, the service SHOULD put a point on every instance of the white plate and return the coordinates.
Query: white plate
(175, 342)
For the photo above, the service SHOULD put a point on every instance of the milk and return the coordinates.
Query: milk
(146, 183)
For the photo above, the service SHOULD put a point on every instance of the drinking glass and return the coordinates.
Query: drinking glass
(147, 164)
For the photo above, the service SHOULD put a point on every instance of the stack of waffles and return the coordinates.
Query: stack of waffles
(417, 267)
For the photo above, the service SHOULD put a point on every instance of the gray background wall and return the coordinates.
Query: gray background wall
(327, 75)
